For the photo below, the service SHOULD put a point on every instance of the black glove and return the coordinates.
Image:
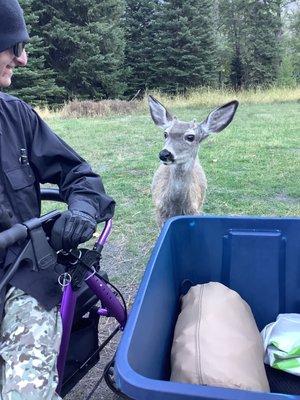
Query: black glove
(72, 228)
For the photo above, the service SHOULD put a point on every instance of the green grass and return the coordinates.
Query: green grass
(252, 168)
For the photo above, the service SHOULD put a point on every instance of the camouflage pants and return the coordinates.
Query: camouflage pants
(30, 340)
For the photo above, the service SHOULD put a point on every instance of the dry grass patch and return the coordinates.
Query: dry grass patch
(204, 97)
(198, 98)
(45, 112)
(102, 108)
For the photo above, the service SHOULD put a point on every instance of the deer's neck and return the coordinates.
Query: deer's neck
(181, 177)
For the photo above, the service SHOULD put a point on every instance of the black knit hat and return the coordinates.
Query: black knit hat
(12, 25)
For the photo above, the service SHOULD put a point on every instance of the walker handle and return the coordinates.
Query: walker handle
(12, 235)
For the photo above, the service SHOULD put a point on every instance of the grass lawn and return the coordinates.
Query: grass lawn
(252, 168)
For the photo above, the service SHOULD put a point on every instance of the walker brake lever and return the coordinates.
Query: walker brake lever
(81, 262)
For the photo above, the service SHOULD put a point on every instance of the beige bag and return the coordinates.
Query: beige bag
(216, 341)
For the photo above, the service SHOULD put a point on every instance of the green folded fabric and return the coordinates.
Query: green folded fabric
(282, 343)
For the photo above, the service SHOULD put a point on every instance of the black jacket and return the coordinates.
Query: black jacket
(46, 159)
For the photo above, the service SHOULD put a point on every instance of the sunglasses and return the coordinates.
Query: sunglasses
(18, 48)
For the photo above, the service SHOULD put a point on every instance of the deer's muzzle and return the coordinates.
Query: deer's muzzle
(166, 156)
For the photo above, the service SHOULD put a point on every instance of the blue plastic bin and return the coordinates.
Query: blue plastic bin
(257, 257)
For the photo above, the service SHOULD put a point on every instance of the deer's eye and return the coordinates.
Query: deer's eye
(165, 135)
(190, 138)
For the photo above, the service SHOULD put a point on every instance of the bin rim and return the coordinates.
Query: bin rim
(132, 383)
(227, 216)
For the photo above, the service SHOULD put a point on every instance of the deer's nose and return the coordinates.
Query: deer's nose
(165, 155)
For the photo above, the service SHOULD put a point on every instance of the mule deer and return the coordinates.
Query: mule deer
(179, 184)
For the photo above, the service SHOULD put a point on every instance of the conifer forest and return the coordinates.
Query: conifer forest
(109, 49)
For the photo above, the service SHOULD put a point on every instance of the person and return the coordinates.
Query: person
(32, 154)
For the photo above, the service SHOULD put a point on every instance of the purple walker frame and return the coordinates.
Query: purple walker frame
(111, 306)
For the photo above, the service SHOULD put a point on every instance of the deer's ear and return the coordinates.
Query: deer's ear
(159, 113)
(219, 118)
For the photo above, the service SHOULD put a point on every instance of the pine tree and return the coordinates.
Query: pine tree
(295, 44)
(185, 54)
(253, 32)
(86, 45)
(231, 21)
(35, 83)
(261, 32)
(139, 24)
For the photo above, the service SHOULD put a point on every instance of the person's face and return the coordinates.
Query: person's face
(8, 61)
